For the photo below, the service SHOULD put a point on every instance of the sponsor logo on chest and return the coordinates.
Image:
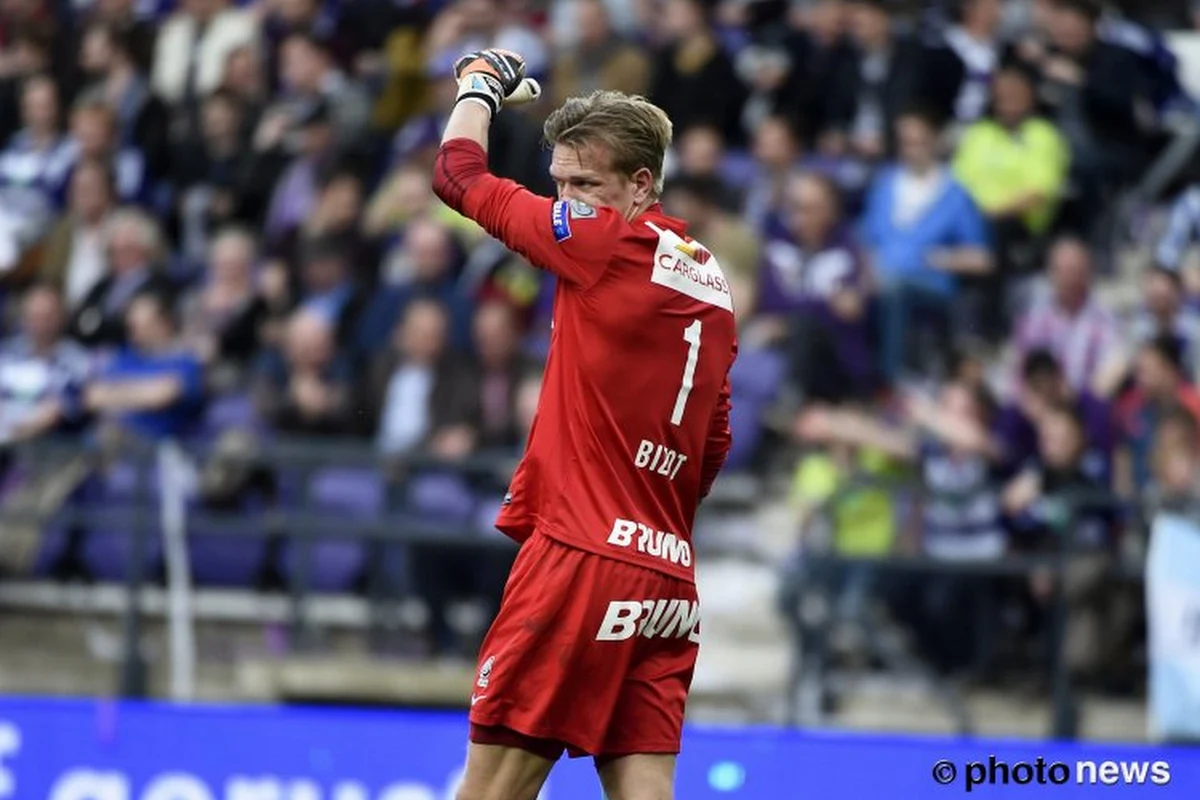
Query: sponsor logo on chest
(689, 269)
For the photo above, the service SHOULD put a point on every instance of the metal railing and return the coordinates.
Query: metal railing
(809, 671)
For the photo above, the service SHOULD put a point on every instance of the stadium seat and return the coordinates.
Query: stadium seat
(218, 559)
(441, 496)
(107, 550)
(347, 494)
(755, 380)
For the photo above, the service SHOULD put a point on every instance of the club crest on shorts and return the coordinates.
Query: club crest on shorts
(485, 672)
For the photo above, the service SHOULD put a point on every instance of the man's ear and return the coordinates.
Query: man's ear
(643, 185)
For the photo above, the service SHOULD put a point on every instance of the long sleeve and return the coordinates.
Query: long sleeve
(720, 440)
(571, 239)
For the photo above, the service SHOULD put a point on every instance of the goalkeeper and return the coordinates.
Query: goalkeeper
(593, 649)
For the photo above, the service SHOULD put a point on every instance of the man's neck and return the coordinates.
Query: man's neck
(1073, 305)
(43, 348)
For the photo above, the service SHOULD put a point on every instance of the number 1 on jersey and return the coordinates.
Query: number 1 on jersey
(691, 335)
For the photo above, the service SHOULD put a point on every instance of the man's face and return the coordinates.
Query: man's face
(89, 192)
(1155, 376)
(1013, 96)
(585, 173)
(495, 333)
(93, 130)
(1059, 441)
(302, 65)
(1070, 272)
(43, 317)
(39, 105)
(145, 324)
(870, 25)
(1071, 30)
(422, 334)
(1162, 295)
(809, 210)
(916, 142)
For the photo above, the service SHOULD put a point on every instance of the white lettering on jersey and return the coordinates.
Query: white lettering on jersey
(659, 458)
(689, 269)
(663, 619)
(661, 544)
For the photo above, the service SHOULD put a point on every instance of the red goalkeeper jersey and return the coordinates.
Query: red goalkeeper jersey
(632, 424)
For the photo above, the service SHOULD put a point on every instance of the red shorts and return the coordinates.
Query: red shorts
(588, 655)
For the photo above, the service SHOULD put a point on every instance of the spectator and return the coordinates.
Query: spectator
(466, 25)
(923, 230)
(1172, 582)
(121, 17)
(210, 173)
(1042, 388)
(328, 287)
(425, 265)
(1159, 387)
(956, 69)
(868, 98)
(155, 388)
(1061, 495)
(32, 167)
(1014, 164)
(1163, 314)
(193, 47)
(110, 66)
(1182, 235)
(41, 372)
(819, 57)
(1060, 474)
(306, 388)
(28, 56)
(428, 400)
(309, 75)
(947, 439)
(221, 319)
(1070, 321)
(1098, 93)
(776, 153)
(94, 137)
(243, 79)
(694, 81)
(732, 241)
(75, 257)
(814, 286)
(134, 247)
(295, 193)
(599, 59)
(335, 217)
(501, 367)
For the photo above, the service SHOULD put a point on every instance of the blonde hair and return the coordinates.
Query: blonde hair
(636, 131)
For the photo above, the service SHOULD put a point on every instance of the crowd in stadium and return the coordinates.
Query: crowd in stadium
(219, 216)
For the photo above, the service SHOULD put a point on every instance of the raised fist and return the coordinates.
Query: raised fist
(495, 77)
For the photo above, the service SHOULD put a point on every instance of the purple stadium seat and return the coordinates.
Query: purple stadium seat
(51, 548)
(230, 412)
(755, 380)
(485, 515)
(226, 560)
(441, 496)
(338, 493)
(106, 551)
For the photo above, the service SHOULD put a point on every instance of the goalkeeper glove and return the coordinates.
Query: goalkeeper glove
(494, 77)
